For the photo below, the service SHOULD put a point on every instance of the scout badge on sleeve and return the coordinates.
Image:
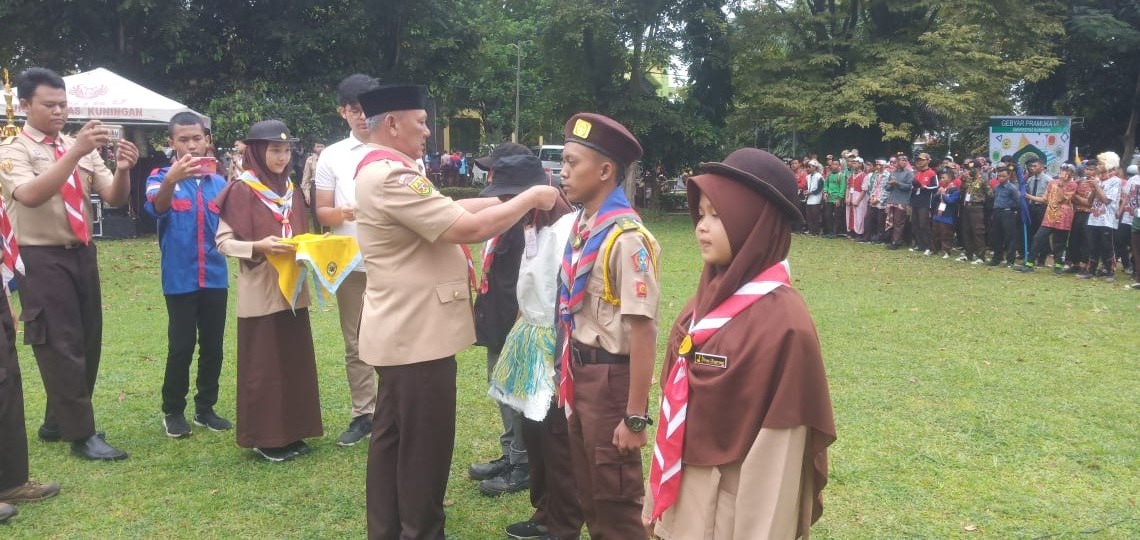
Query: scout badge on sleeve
(665, 470)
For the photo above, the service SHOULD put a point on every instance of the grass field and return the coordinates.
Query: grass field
(970, 402)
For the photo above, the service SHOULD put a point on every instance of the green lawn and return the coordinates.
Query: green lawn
(970, 402)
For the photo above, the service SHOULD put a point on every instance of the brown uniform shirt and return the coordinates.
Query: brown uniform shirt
(417, 306)
(601, 324)
(258, 291)
(25, 157)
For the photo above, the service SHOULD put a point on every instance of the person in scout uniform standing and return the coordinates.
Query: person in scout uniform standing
(336, 207)
(417, 309)
(278, 405)
(195, 278)
(608, 309)
(48, 177)
(744, 394)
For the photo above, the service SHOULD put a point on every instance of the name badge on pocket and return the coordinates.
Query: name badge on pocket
(711, 360)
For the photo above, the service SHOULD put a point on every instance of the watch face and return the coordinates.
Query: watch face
(635, 424)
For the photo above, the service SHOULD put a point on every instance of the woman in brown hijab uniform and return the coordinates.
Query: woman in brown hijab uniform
(741, 449)
(277, 401)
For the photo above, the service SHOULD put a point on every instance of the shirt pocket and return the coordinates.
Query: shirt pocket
(603, 311)
(453, 291)
(181, 205)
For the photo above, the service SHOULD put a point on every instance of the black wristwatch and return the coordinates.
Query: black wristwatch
(637, 423)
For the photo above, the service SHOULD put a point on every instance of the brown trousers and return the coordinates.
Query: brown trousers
(942, 239)
(897, 223)
(1136, 254)
(409, 458)
(553, 493)
(13, 437)
(63, 322)
(814, 217)
(610, 485)
(974, 231)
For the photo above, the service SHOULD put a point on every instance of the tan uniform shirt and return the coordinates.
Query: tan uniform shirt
(25, 157)
(307, 177)
(601, 324)
(257, 288)
(417, 306)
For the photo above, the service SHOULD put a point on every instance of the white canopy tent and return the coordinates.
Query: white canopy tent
(102, 94)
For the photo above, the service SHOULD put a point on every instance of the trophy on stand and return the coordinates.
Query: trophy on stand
(10, 129)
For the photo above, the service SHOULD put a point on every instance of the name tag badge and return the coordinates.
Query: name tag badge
(711, 360)
(530, 237)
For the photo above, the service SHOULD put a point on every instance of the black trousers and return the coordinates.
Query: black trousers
(1078, 250)
(1100, 248)
(922, 227)
(1005, 234)
(553, 493)
(63, 322)
(1123, 245)
(1046, 241)
(1036, 216)
(409, 457)
(813, 218)
(198, 317)
(13, 437)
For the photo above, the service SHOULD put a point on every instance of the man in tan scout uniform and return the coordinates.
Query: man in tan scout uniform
(417, 309)
(48, 177)
(609, 311)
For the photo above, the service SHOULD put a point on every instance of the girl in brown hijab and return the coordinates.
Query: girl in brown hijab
(746, 414)
(277, 402)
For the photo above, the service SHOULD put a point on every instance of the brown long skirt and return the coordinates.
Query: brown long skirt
(277, 394)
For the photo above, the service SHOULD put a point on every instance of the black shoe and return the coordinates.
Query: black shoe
(892, 246)
(486, 471)
(299, 448)
(7, 511)
(176, 426)
(276, 454)
(516, 478)
(1024, 268)
(211, 421)
(526, 530)
(358, 429)
(95, 448)
(48, 433)
(994, 262)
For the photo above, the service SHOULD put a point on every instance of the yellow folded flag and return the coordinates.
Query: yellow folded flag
(328, 257)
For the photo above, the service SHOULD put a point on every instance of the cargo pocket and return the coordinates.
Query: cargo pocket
(617, 477)
(35, 332)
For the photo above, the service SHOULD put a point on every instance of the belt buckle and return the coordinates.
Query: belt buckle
(72, 245)
(576, 354)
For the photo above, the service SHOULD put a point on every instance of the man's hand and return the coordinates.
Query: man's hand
(126, 155)
(272, 244)
(544, 197)
(183, 168)
(627, 441)
(91, 136)
(347, 212)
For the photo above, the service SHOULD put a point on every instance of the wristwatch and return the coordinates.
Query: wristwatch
(637, 423)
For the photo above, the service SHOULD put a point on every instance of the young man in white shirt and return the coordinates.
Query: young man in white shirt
(335, 180)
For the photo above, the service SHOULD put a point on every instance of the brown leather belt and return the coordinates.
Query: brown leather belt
(585, 354)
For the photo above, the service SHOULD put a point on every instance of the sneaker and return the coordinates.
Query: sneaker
(962, 258)
(914, 249)
(979, 260)
(526, 530)
(946, 256)
(1135, 286)
(486, 471)
(1111, 278)
(1024, 268)
(1084, 275)
(176, 426)
(9, 511)
(994, 262)
(516, 478)
(300, 448)
(926, 253)
(211, 421)
(276, 454)
(358, 429)
(29, 492)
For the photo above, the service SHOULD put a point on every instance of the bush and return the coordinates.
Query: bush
(674, 202)
(460, 192)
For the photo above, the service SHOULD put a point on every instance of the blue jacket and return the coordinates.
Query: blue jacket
(190, 258)
(951, 200)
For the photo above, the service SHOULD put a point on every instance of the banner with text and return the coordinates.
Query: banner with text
(1022, 137)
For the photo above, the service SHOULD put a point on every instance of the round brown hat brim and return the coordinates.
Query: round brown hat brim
(757, 184)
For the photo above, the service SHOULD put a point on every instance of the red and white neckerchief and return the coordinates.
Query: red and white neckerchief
(488, 258)
(71, 192)
(12, 260)
(665, 471)
(281, 206)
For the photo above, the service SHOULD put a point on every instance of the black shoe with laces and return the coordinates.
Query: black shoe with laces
(211, 421)
(516, 478)
(526, 530)
(486, 471)
(358, 430)
(176, 426)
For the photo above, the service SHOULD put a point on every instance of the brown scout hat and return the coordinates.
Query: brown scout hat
(604, 135)
(762, 172)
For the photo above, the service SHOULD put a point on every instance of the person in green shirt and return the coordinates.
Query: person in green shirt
(834, 188)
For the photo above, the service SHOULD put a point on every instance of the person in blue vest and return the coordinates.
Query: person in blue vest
(195, 279)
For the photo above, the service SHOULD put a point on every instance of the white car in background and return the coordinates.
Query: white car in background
(551, 157)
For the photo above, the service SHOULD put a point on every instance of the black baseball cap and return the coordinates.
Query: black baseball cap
(503, 150)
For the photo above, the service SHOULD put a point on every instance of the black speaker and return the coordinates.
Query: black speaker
(119, 226)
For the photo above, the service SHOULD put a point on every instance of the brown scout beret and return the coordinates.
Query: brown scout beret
(604, 135)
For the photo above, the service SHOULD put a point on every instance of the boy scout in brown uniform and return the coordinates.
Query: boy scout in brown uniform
(48, 178)
(417, 310)
(609, 361)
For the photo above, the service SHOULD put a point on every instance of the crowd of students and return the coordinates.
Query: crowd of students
(1081, 222)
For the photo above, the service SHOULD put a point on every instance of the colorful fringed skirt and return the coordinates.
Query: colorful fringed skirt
(523, 378)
